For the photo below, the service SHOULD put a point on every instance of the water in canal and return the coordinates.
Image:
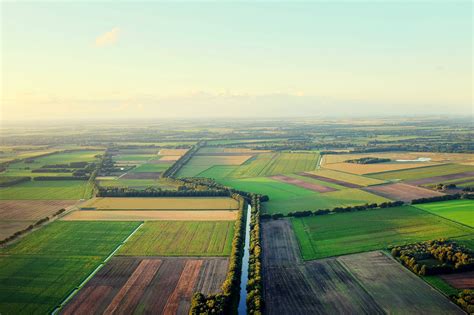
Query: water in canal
(242, 310)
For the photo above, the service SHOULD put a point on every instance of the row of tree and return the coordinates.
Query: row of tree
(29, 228)
(255, 284)
(307, 213)
(225, 302)
(443, 198)
(465, 299)
(174, 169)
(156, 192)
(6, 181)
(368, 160)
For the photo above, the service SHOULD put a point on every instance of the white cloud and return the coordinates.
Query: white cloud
(108, 38)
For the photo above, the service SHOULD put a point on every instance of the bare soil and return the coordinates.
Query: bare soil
(403, 192)
(463, 280)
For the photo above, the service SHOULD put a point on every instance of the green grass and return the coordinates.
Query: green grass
(316, 181)
(145, 168)
(217, 171)
(181, 238)
(266, 164)
(440, 285)
(461, 211)
(286, 198)
(346, 233)
(424, 172)
(51, 189)
(40, 271)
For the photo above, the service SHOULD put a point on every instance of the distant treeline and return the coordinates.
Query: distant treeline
(443, 198)
(6, 181)
(153, 192)
(51, 178)
(174, 169)
(368, 160)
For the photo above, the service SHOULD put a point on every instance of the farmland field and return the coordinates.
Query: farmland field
(457, 210)
(181, 238)
(155, 285)
(39, 271)
(343, 179)
(340, 285)
(163, 203)
(400, 191)
(152, 215)
(47, 190)
(346, 233)
(424, 172)
(8, 227)
(201, 163)
(286, 198)
(303, 184)
(30, 209)
(266, 164)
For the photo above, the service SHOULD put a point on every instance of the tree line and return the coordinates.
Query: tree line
(255, 285)
(225, 302)
(174, 169)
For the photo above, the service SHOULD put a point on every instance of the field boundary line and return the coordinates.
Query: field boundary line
(102, 264)
(412, 168)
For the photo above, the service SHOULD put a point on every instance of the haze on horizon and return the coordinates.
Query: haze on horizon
(191, 60)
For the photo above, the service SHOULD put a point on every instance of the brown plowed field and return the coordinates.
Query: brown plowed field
(303, 184)
(31, 210)
(401, 191)
(331, 180)
(439, 179)
(367, 283)
(463, 280)
(157, 285)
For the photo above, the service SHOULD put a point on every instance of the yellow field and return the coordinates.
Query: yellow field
(172, 152)
(434, 156)
(346, 177)
(170, 158)
(164, 215)
(182, 203)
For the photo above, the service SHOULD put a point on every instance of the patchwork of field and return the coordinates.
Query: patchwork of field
(286, 198)
(403, 192)
(154, 285)
(200, 163)
(181, 238)
(24, 168)
(47, 190)
(353, 232)
(445, 179)
(40, 271)
(304, 184)
(344, 179)
(163, 203)
(461, 211)
(424, 172)
(152, 215)
(340, 285)
(267, 164)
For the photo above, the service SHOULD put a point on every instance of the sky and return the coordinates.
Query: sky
(92, 60)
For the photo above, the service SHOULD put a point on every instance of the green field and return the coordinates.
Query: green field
(286, 198)
(266, 164)
(461, 211)
(218, 171)
(50, 189)
(134, 157)
(181, 238)
(200, 163)
(137, 183)
(40, 271)
(424, 172)
(346, 233)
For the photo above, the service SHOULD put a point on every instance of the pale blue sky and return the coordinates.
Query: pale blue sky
(222, 59)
